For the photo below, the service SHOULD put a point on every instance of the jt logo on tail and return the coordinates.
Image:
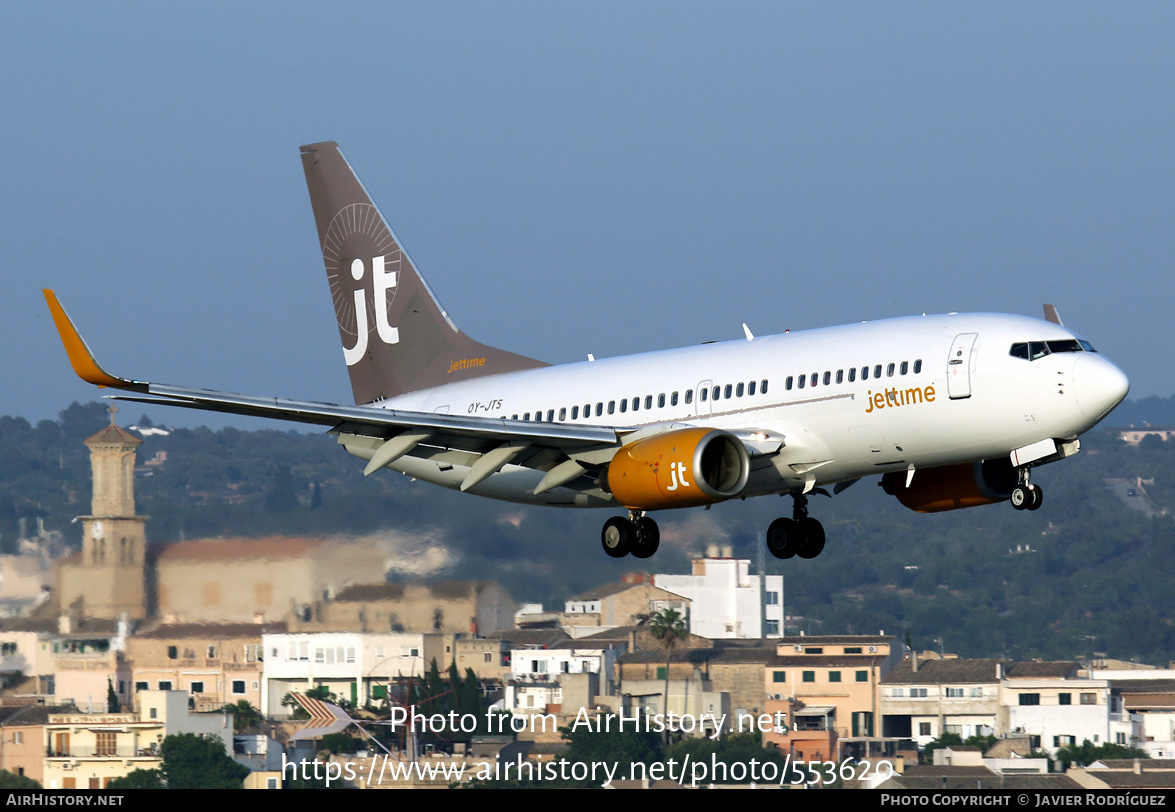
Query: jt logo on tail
(382, 282)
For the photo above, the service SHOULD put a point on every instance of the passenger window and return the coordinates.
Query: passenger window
(877, 371)
(738, 391)
(648, 401)
(575, 413)
(703, 393)
(717, 393)
(763, 387)
(673, 399)
(840, 376)
(726, 393)
(563, 415)
(889, 370)
(661, 401)
(864, 373)
(611, 407)
(827, 378)
(815, 379)
(852, 374)
(689, 397)
(550, 415)
(751, 389)
(538, 417)
(624, 406)
(513, 417)
(599, 408)
(803, 380)
(905, 367)
(787, 383)
(636, 404)
(917, 366)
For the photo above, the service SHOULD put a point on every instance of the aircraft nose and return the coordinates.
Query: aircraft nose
(1099, 386)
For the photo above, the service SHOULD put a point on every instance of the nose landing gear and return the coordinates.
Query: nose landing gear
(800, 535)
(1026, 496)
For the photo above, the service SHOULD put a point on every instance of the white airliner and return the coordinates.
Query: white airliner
(951, 411)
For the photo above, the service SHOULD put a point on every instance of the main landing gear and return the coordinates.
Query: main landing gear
(800, 535)
(1026, 496)
(638, 534)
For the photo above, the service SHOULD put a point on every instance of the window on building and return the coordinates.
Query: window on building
(862, 676)
(105, 743)
(924, 728)
(918, 693)
(772, 628)
(172, 653)
(809, 676)
(1064, 699)
(1029, 699)
(834, 676)
(814, 650)
(165, 685)
(238, 686)
(772, 599)
(955, 693)
(779, 676)
(142, 686)
(196, 688)
(852, 649)
(1089, 699)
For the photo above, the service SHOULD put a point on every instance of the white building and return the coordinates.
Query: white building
(1148, 695)
(1056, 708)
(726, 601)
(353, 665)
(534, 681)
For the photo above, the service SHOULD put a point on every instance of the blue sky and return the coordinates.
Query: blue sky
(573, 178)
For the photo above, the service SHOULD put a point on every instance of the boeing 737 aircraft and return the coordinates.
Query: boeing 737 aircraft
(951, 411)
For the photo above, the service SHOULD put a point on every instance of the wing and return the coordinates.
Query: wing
(484, 444)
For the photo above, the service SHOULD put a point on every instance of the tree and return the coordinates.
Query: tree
(139, 779)
(195, 762)
(245, 715)
(112, 703)
(13, 781)
(668, 627)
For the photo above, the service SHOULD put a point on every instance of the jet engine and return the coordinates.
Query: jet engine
(682, 468)
(953, 486)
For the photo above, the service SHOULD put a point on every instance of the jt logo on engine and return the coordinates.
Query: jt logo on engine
(382, 281)
(677, 471)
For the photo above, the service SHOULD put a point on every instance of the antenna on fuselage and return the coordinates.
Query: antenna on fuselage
(1051, 314)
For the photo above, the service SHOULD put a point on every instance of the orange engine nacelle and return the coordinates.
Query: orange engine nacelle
(951, 487)
(683, 468)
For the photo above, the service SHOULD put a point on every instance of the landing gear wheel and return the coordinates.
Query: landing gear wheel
(618, 536)
(813, 538)
(781, 538)
(648, 538)
(1037, 495)
(1021, 497)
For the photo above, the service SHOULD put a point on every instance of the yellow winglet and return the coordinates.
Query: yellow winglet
(75, 347)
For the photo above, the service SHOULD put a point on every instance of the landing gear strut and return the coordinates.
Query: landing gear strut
(638, 534)
(1026, 496)
(800, 535)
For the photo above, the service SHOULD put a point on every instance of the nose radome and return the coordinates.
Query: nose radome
(1098, 385)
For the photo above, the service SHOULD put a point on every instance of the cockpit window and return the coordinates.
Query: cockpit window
(1031, 350)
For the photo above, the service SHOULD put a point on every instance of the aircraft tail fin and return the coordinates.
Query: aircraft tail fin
(396, 337)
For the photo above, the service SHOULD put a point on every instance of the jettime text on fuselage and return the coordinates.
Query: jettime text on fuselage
(890, 398)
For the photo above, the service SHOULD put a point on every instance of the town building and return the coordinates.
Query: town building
(726, 601)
